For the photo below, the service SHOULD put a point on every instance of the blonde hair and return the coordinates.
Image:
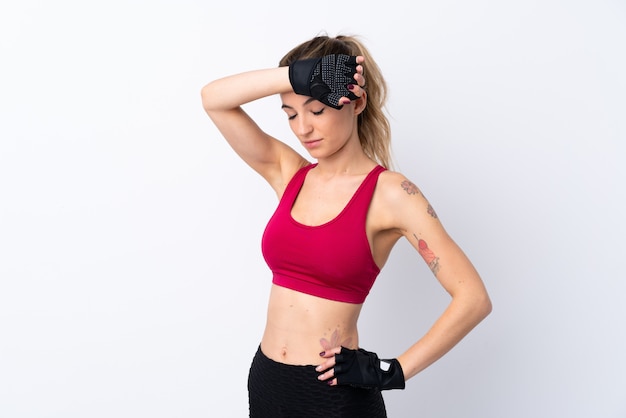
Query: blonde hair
(373, 126)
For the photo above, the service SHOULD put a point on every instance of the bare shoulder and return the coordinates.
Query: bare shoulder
(400, 199)
(395, 188)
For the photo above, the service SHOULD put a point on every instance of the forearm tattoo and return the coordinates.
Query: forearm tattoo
(335, 341)
(428, 255)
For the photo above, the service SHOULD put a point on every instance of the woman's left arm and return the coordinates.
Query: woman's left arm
(417, 221)
(400, 209)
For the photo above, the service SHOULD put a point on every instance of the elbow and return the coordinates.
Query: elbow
(477, 306)
(212, 98)
(484, 306)
(475, 303)
(206, 96)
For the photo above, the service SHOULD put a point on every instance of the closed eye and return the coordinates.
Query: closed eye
(317, 113)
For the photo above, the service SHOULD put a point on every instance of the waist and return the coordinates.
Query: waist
(300, 326)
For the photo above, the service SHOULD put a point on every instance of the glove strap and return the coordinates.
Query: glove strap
(300, 75)
(392, 374)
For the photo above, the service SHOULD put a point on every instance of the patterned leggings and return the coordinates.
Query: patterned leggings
(277, 390)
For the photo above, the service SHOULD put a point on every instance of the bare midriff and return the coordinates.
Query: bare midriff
(300, 326)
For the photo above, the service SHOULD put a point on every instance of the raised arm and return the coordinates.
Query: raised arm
(222, 100)
(274, 160)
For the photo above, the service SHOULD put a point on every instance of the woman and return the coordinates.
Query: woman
(335, 225)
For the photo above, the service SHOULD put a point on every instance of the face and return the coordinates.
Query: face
(321, 129)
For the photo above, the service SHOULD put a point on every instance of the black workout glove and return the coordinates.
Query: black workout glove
(325, 79)
(361, 368)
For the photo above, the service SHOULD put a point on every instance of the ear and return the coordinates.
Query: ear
(360, 103)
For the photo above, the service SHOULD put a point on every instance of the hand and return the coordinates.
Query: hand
(330, 79)
(360, 368)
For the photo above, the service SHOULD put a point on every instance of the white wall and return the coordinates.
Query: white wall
(131, 279)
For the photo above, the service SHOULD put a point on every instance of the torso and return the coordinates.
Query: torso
(299, 326)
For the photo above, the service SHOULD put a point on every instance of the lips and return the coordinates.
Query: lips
(312, 144)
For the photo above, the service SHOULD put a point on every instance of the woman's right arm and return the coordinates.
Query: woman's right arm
(222, 100)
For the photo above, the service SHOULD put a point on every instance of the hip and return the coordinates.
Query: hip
(281, 390)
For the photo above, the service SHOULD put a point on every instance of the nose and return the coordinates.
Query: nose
(303, 126)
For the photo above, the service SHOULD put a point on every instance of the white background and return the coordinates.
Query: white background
(131, 278)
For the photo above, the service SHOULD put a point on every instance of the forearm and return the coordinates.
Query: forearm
(460, 317)
(233, 91)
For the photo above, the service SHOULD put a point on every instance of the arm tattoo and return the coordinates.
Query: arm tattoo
(431, 259)
(409, 187)
(432, 212)
(335, 341)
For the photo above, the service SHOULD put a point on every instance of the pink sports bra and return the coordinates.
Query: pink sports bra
(333, 260)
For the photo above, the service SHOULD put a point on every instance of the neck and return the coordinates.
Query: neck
(345, 163)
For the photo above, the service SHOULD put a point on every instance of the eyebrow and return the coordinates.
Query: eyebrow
(309, 100)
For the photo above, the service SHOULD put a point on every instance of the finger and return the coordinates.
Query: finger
(351, 93)
(329, 363)
(328, 374)
(328, 353)
(344, 101)
(336, 350)
(360, 79)
(356, 91)
(360, 59)
(325, 366)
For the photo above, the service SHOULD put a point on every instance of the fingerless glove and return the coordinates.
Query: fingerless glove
(362, 368)
(325, 79)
